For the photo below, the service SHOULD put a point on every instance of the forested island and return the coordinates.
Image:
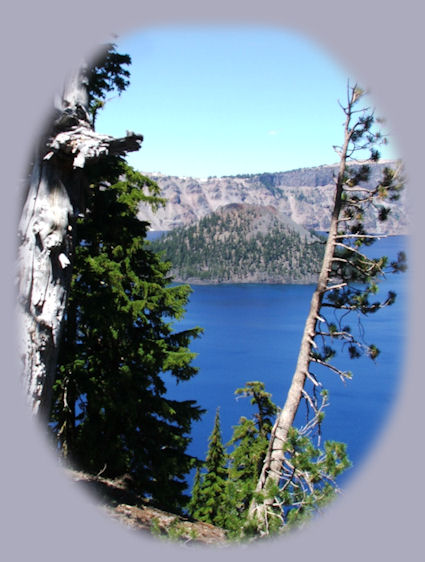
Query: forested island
(241, 243)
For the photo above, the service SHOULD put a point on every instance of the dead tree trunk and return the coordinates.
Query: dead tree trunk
(53, 199)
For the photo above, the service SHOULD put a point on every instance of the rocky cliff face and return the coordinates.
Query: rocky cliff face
(303, 195)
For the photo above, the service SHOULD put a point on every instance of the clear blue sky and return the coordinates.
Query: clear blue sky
(213, 101)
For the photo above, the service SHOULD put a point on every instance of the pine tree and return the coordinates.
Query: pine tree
(310, 475)
(210, 491)
(111, 412)
(347, 284)
(310, 471)
(195, 497)
(109, 73)
(249, 442)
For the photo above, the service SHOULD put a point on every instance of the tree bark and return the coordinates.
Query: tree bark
(53, 199)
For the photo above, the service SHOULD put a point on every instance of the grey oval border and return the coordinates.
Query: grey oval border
(43, 518)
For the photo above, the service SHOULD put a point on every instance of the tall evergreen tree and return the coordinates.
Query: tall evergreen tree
(209, 493)
(347, 284)
(110, 411)
(249, 442)
(195, 497)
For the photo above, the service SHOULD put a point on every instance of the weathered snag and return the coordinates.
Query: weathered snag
(46, 233)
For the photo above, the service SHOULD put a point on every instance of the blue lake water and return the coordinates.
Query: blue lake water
(253, 332)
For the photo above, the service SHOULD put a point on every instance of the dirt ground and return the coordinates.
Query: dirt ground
(120, 503)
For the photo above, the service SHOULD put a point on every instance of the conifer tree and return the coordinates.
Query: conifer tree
(210, 491)
(310, 475)
(310, 471)
(347, 285)
(249, 442)
(111, 413)
(194, 501)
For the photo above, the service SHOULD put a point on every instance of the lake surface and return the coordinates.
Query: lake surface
(253, 332)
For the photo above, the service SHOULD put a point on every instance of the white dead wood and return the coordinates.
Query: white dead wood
(54, 197)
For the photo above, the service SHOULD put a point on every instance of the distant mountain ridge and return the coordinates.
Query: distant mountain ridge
(303, 195)
(242, 243)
